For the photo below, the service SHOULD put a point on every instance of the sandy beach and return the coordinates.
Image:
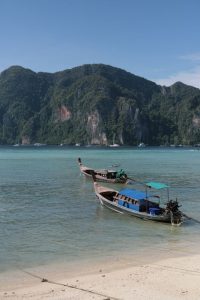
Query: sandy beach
(166, 279)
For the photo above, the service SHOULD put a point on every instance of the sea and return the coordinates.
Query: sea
(49, 213)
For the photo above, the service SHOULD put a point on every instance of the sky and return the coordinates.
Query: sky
(155, 39)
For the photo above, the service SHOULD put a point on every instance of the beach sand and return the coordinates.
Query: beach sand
(159, 279)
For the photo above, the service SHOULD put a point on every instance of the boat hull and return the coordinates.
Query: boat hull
(88, 173)
(124, 210)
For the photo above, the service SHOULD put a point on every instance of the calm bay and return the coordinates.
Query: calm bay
(49, 213)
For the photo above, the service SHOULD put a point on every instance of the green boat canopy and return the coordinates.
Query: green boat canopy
(156, 185)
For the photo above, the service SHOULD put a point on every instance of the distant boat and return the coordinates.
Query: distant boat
(114, 145)
(139, 204)
(141, 145)
(39, 145)
(16, 145)
(105, 175)
(77, 144)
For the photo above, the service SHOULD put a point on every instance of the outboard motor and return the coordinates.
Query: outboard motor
(172, 207)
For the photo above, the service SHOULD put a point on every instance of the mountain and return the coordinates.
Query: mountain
(95, 104)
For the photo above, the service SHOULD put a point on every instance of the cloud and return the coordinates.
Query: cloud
(190, 77)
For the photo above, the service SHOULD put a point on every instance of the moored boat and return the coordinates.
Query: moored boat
(104, 175)
(141, 145)
(143, 205)
(114, 145)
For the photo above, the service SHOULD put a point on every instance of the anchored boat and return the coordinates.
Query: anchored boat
(105, 175)
(143, 205)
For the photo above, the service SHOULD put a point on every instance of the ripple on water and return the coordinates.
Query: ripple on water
(49, 213)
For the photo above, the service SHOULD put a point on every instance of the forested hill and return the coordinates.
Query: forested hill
(95, 104)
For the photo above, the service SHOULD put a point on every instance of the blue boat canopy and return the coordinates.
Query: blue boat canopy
(156, 185)
(134, 194)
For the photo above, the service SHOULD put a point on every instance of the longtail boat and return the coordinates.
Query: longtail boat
(141, 204)
(104, 175)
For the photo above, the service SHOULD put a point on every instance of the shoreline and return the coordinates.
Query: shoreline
(169, 275)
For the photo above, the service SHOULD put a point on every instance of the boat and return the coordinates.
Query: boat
(114, 145)
(141, 145)
(105, 175)
(39, 145)
(140, 204)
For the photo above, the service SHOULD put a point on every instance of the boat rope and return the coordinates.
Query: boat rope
(135, 180)
(190, 218)
(71, 286)
(178, 269)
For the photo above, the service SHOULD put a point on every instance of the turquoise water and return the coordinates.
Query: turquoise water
(49, 213)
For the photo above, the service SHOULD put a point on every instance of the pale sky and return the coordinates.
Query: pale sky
(155, 39)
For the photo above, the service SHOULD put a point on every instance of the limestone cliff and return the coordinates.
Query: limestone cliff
(95, 104)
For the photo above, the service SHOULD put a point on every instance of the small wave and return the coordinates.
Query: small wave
(2, 209)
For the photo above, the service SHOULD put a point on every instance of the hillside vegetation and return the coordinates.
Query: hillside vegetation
(95, 104)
